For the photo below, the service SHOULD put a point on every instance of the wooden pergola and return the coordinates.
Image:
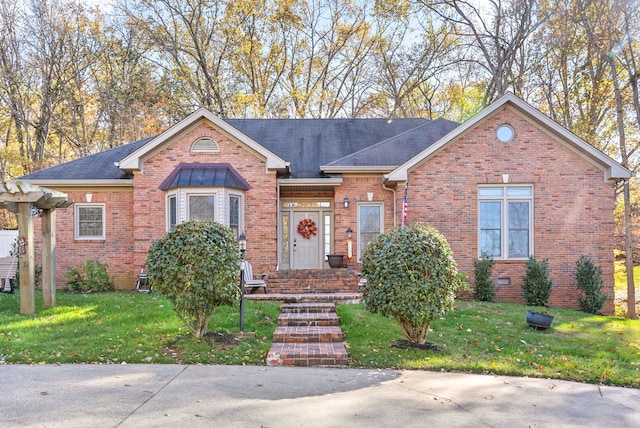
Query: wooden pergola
(30, 201)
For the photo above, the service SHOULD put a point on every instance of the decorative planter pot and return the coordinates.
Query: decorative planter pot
(336, 260)
(539, 320)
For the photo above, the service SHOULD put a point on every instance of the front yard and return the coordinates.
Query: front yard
(126, 327)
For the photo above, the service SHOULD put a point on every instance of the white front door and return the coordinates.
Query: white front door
(306, 248)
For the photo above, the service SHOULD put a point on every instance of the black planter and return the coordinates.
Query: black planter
(539, 320)
(336, 260)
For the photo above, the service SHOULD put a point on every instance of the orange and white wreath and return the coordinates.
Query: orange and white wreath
(307, 228)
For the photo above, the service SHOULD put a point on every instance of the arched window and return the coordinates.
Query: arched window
(205, 145)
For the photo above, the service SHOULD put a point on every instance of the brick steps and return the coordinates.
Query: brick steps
(308, 334)
(312, 319)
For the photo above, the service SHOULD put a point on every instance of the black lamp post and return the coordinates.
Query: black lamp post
(242, 245)
(349, 249)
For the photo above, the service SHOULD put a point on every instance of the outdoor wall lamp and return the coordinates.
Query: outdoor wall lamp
(346, 202)
(349, 232)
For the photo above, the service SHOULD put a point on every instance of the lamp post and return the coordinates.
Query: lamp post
(349, 249)
(242, 245)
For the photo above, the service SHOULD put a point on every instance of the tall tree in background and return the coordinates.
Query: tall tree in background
(329, 53)
(571, 78)
(259, 33)
(13, 96)
(412, 58)
(130, 102)
(611, 38)
(498, 31)
(192, 50)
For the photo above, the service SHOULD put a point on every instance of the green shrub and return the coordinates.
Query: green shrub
(485, 287)
(411, 276)
(588, 278)
(536, 284)
(196, 266)
(92, 276)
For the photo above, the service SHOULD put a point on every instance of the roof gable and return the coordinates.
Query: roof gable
(613, 170)
(135, 160)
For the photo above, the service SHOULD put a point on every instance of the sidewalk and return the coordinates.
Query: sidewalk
(139, 396)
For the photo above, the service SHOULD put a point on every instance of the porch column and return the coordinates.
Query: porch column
(49, 257)
(26, 259)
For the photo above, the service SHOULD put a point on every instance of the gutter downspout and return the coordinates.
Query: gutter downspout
(395, 209)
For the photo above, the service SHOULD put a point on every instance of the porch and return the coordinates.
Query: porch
(304, 285)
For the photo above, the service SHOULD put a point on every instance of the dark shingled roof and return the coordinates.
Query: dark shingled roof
(400, 148)
(311, 143)
(99, 166)
(307, 144)
(205, 175)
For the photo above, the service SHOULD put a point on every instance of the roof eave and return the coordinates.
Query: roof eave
(357, 169)
(128, 182)
(290, 182)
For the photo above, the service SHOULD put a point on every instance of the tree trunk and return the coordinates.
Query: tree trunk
(631, 287)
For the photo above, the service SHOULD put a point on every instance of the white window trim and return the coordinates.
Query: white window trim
(226, 214)
(76, 216)
(221, 203)
(368, 204)
(504, 226)
(205, 145)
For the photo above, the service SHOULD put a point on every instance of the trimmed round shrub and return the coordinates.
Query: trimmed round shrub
(196, 265)
(411, 276)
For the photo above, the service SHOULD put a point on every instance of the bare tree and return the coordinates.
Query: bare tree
(13, 83)
(191, 47)
(410, 60)
(329, 53)
(608, 35)
(499, 34)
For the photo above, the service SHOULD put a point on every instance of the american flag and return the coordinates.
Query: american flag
(405, 206)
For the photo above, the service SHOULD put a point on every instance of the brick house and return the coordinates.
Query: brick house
(509, 181)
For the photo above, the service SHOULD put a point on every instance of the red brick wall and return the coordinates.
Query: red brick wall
(260, 215)
(573, 206)
(356, 188)
(134, 218)
(116, 250)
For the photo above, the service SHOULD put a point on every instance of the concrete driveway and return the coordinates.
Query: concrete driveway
(252, 396)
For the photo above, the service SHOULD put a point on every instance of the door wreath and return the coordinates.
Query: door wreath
(307, 228)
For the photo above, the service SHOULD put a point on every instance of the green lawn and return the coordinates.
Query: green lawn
(118, 327)
(495, 338)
